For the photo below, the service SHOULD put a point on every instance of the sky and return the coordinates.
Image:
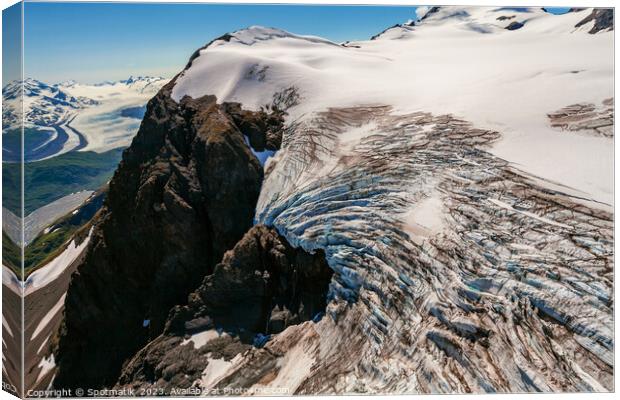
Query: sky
(11, 43)
(95, 42)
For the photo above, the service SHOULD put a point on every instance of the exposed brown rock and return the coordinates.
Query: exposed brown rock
(263, 130)
(261, 286)
(263, 282)
(183, 194)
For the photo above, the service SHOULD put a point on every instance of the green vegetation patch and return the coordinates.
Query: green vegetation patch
(49, 180)
(45, 247)
(11, 254)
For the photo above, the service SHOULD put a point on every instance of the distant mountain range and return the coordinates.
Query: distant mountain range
(46, 105)
(73, 138)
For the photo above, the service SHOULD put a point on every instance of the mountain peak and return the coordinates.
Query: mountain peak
(29, 85)
(256, 34)
(484, 20)
(140, 78)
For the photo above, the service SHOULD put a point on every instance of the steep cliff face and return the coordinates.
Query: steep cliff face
(261, 287)
(184, 193)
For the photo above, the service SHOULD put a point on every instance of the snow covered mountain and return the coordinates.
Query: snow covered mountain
(454, 174)
(49, 104)
(140, 84)
(74, 116)
(44, 105)
(454, 60)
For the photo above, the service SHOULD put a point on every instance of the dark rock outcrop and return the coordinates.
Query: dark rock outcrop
(375, 37)
(603, 20)
(195, 54)
(430, 12)
(513, 26)
(263, 130)
(261, 287)
(184, 193)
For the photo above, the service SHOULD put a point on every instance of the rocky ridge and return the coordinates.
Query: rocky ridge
(602, 20)
(183, 194)
(261, 287)
(45, 105)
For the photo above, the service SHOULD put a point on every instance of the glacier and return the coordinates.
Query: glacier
(471, 253)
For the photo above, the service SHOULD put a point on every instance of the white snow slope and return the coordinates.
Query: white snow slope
(460, 61)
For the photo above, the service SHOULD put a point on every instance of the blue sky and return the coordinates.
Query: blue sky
(11, 43)
(93, 42)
